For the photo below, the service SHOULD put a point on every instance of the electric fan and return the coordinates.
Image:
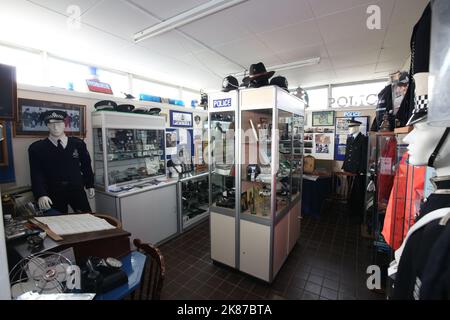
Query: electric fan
(42, 273)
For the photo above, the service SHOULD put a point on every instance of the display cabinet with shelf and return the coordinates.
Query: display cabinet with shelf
(264, 188)
(130, 174)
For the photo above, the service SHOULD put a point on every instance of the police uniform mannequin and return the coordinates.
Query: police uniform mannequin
(60, 168)
(355, 162)
(428, 146)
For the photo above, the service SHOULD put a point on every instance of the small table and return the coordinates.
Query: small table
(133, 265)
(315, 191)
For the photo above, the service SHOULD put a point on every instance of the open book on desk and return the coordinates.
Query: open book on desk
(74, 223)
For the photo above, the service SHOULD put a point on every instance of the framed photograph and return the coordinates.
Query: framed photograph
(8, 92)
(30, 122)
(323, 118)
(180, 119)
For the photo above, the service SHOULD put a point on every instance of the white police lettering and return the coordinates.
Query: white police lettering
(221, 103)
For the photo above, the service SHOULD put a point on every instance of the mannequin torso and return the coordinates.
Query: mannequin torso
(60, 167)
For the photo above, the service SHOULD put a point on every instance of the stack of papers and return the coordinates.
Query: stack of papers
(75, 223)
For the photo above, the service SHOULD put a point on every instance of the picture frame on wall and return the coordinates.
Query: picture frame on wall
(8, 92)
(323, 118)
(30, 122)
(181, 119)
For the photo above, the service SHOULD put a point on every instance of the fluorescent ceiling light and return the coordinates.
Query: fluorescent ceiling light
(186, 17)
(289, 66)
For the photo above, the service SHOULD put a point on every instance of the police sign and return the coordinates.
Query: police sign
(222, 103)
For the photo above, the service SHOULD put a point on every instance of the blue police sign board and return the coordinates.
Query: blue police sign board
(222, 103)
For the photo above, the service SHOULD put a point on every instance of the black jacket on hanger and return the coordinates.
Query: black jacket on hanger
(420, 61)
(384, 105)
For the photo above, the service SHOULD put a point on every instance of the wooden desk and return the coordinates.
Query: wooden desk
(107, 243)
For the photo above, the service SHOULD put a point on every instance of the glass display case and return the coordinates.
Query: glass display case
(128, 150)
(256, 174)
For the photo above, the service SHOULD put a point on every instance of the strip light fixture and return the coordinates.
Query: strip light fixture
(186, 17)
(288, 66)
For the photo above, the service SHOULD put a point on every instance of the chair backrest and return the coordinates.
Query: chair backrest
(154, 272)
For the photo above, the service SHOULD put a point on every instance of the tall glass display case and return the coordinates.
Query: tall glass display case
(265, 186)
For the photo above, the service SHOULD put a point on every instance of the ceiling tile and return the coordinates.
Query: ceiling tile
(326, 7)
(292, 37)
(62, 6)
(265, 15)
(398, 36)
(316, 50)
(171, 43)
(393, 54)
(360, 56)
(118, 18)
(407, 11)
(248, 51)
(389, 66)
(352, 24)
(309, 79)
(166, 9)
(220, 28)
(356, 72)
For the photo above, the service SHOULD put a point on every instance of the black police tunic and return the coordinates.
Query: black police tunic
(415, 256)
(61, 174)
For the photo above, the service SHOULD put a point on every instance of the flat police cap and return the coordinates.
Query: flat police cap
(54, 115)
(353, 123)
(105, 105)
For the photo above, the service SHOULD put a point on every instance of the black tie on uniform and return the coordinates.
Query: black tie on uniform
(60, 146)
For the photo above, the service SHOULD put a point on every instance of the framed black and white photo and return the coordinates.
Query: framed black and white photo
(180, 119)
(30, 122)
(323, 118)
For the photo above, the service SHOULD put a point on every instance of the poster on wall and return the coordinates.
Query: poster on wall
(180, 119)
(323, 146)
(323, 118)
(171, 143)
(341, 133)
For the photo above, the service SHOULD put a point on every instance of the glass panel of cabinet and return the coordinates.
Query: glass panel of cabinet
(123, 157)
(194, 200)
(222, 153)
(271, 171)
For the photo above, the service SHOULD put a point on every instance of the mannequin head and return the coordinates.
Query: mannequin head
(422, 141)
(56, 128)
(353, 129)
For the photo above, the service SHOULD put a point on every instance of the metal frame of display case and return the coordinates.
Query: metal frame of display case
(249, 226)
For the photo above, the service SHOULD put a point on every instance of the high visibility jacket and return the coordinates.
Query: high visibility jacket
(404, 202)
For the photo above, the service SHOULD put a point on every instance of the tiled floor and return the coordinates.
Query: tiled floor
(328, 262)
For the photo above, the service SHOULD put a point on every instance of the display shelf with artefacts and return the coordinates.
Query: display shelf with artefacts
(265, 186)
(130, 171)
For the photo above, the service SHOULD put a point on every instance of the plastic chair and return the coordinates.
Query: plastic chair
(153, 275)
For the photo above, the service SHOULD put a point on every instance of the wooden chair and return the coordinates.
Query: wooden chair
(153, 275)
